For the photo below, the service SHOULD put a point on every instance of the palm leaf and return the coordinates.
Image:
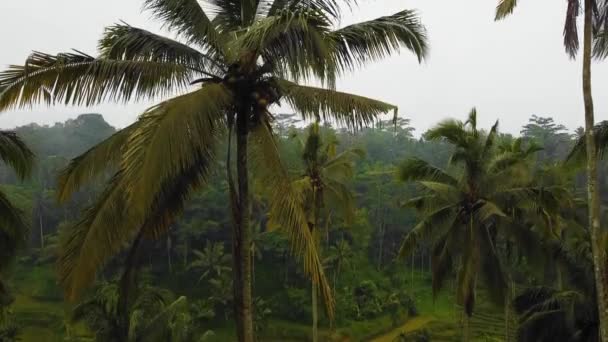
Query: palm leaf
(571, 42)
(188, 19)
(428, 227)
(446, 192)
(15, 153)
(103, 157)
(169, 136)
(79, 79)
(287, 208)
(155, 327)
(125, 42)
(102, 232)
(416, 169)
(373, 40)
(504, 8)
(293, 43)
(345, 109)
(112, 222)
(14, 230)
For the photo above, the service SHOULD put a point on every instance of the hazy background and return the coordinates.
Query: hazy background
(509, 70)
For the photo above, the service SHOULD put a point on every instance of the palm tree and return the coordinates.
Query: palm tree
(595, 26)
(231, 67)
(461, 208)
(154, 315)
(13, 222)
(339, 258)
(322, 183)
(212, 260)
(547, 313)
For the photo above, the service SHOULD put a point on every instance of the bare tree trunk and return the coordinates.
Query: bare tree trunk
(241, 239)
(592, 178)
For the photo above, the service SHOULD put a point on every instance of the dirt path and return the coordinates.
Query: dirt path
(409, 326)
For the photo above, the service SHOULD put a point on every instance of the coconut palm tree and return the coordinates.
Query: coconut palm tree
(595, 26)
(211, 260)
(154, 316)
(339, 258)
(13, 222)
(323, 184)
(549, 313)
(233, 60)
(461, 208)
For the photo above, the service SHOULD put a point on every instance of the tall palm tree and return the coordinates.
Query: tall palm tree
(233, 60)
(461, 208)
(153, 315)
(339, 258)
(595, 25)
(13, 222)
(570, 313)
(323, 183)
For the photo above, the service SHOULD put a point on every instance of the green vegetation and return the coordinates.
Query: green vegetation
(378, 296)
(211, 218)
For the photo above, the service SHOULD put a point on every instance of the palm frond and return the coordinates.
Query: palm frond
(14, 230)
(112, 222)
(492, 271)
(578, 153)
(15, 153)
(125, 42)
(446, 192)
(505, 8)
(331, 9)
(79, 79)
(373, 40)
(416, 169)
(102, 232)
(449, 130)
(428, 227)
(488, 210)
(188, 19)
(103, 157)
(154, 328)
(600, 45)
(571, 42)
(293, 43)
(345, 109)
(169, 136)
(442, 263)
(287, 208)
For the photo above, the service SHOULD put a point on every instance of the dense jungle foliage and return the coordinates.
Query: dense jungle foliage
(186, 274)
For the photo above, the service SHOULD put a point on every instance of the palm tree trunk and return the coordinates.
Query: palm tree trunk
(41, 227)
(380, 252)
(241, 239)
(507, 312)
(315, 314)
(185, 253)
(592, 178)
(169, 262)
(466, 329)
(128, 284)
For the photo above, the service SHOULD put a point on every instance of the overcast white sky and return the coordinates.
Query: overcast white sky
(508, 70)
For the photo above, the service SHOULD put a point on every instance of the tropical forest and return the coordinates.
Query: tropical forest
(253, 199)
